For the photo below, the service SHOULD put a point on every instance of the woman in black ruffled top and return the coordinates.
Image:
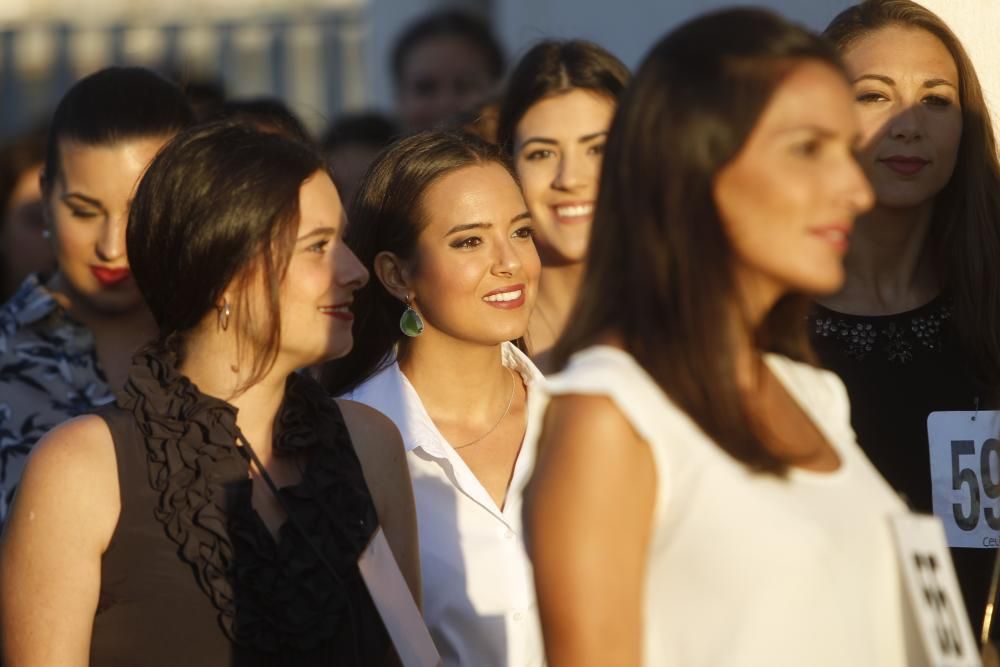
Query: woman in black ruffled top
(215, 515)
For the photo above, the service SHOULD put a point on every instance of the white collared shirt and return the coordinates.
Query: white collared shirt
(479, 595)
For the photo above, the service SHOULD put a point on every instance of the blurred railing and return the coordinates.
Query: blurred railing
(313, 58)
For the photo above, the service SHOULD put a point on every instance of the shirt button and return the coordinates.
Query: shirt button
(509, 535)
(518, 616)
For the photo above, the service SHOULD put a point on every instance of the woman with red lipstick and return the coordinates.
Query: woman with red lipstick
(553, 122)
(699, 498)
(216, 514)
(440, 222)
(915, 331)
(65, 344)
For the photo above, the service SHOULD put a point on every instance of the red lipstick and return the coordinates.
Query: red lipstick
(340, 311)
(110, 277)
(905, 165)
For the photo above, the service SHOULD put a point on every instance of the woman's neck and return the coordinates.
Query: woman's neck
(558, 288)
(117, 336)
(208, 364)
(888, 268)
(456, 379)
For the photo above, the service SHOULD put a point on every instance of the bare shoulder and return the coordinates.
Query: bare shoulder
(77, 448)
(377, 443)
(588, 417)
(369, 428)
(71, 479)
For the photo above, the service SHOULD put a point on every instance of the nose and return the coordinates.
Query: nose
(569, 174)
(906, 125)
(111, 239)
(350, 272)
(507, 261)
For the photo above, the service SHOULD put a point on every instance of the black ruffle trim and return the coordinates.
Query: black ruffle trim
(271, 595)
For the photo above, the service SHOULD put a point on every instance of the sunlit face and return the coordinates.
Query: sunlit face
(906, 90)
(441, 77)
(558, 148)
(88, 209)
(25, 248)
(323, 275)
(475, 273)
(789, 198)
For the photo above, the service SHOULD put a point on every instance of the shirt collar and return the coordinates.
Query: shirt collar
(390, 392)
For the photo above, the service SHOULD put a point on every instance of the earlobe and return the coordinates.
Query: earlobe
(392, 274)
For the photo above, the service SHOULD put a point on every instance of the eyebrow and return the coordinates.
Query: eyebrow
(467, 226)
(319, 231)
(546, 140)
(485, 225)
(87, 200)
(929, 83)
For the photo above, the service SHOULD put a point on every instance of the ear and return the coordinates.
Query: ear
(393, 275)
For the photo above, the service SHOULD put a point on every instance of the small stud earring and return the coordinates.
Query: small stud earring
(46, 233)
(410, 322)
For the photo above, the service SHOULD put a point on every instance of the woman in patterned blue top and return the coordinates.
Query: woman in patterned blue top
(65, 345)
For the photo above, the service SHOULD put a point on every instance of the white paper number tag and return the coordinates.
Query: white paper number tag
(933, 593)
(395, 604)
(965, 476)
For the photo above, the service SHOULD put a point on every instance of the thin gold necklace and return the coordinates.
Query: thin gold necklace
(510, 402)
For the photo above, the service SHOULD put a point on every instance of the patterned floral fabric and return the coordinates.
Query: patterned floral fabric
(48, 374)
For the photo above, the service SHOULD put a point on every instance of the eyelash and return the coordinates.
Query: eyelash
(808, 148)
(77, 213)
(468, 242)
(319, 246)
(476, 241)
(930, 100)
(542, 153)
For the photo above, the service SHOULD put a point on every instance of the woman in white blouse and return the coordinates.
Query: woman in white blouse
(699, 497)
(441, 223)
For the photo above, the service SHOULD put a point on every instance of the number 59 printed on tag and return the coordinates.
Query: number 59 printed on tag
(965, 476)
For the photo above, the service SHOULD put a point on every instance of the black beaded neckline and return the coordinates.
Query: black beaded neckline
(897, 338)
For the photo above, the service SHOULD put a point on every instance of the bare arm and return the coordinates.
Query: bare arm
(62, 520)
(589, 509)
(383, 461)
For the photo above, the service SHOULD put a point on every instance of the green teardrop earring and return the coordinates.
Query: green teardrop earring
(410, 322)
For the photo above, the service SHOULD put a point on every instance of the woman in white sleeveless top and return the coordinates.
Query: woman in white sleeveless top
(699, 497)
(440, 222)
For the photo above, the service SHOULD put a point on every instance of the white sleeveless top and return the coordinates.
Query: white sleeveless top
(749, 568)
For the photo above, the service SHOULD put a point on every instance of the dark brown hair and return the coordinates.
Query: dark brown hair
(660, 273)
(553, 67)
(219, 203)
(387, 215)
(965, 230)
(112, 105)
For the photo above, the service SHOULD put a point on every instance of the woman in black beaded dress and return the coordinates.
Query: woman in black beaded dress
(215, 515)
(916, 329)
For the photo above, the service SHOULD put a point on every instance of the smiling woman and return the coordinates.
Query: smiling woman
(553, 122)
(171, 497)
(685, 406)
(441, 223)
(916, 328)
